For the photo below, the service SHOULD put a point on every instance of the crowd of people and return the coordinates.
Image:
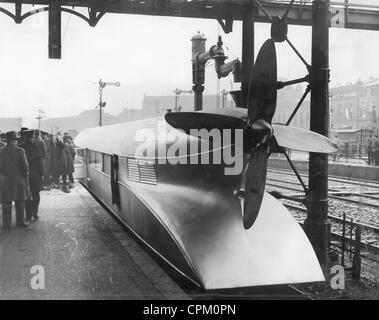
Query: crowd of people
(31, 161)
(373, 149)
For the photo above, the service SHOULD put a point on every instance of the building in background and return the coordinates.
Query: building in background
(355, 106)
(352, 106)
(73, 124)
(10, 124)
(287, 99)
(156, 106)
(152, 106)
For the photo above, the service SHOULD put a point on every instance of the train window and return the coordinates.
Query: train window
(123, 169)
(107, 164)
(98, 161)
(80, 156)
(91, 158)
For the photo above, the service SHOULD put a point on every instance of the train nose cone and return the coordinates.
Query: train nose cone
(208, 228)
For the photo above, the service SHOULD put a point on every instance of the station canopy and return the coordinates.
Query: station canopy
(355, 14)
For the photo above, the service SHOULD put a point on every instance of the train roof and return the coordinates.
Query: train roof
(124, 138)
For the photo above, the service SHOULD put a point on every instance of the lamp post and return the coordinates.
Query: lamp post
(102, 104)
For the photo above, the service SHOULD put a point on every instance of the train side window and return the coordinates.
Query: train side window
(107, 163)
(123, 170)
(98, 161)
(80, 156)
(91, 158)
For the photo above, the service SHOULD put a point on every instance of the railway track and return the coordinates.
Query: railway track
(337, 232)
(353, 197)
(362, 208)
(350, 181)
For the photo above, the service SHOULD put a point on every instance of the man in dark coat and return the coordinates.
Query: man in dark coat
(60, 160)
(41, 146)
(2, 140)
(34, 158)
(47, 172)
(14, 168)
(70, 150)
(53, 167)
(21, 140)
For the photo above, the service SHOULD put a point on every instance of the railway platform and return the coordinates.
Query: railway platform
(84, 253)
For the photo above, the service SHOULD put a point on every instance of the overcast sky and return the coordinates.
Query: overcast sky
(147, 55)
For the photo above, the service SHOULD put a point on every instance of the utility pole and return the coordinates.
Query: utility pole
(224, 94)
(102, 104)
(40, 117)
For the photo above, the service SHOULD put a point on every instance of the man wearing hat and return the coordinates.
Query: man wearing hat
(47, 172)
(34, 158)
(21, 140)
(41, 146)
(39, 143)
(60, 162)
(2, 144)
(14, 167)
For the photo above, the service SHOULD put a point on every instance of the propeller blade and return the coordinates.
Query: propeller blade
(302, 139)
(261, 106)
(255, 184)
(261, 101)
(201, 120)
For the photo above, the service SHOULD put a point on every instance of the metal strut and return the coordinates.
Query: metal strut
(18, 17)
(298, 54)
(92, 19)
(263, 9)
(298, 105)
(296, 172)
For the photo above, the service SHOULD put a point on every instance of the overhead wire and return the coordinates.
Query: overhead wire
(65, 30)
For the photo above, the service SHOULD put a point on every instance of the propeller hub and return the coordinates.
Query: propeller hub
(240, 194)
(261, 130)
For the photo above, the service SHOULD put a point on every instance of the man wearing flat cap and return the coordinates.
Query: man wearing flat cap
(35, 161)
(14, 167)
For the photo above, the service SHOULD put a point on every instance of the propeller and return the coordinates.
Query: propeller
(261, 106)
(260, 135)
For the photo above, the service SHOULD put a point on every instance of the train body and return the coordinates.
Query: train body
(190, 216)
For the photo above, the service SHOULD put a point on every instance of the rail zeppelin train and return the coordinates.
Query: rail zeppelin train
(190, 214)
